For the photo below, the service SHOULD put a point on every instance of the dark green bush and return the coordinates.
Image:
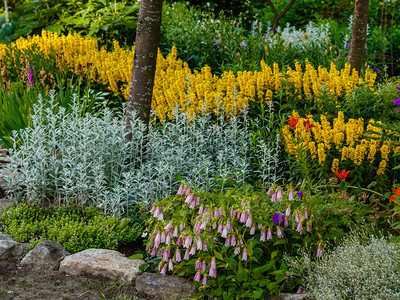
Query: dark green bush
(377, 104)
(103, 20)
(75, 229)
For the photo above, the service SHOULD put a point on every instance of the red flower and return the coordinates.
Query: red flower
(342, 174)
(293, 122)
(308, 125)
(396, 195)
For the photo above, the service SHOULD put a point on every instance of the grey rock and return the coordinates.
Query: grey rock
(288, 296)
(15, 177)
(4, 160)
(46, 255)
(11, 249)
(7, 237)
(164, 286)
(3, 151)
(101, 262)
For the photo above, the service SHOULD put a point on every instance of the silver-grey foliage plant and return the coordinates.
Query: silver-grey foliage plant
(360, 268)
(67, 158)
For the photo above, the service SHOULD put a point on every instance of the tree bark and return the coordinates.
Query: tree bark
(359, 34)
(144, 62)
(279, 16)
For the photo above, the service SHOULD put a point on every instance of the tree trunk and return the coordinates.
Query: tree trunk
(359, 35)
(144, 62)
(6, 12)
(279, 16)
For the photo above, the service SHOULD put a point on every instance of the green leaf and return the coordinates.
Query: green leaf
(218, 255)
(371, 185)
(143, 267)
(218, 292)
(241, 274)
(273, 254)
(264, 268)
(280, 242)
(257, 294)
(136, 256)
(342, 184)
(358, 191)
(272, 286)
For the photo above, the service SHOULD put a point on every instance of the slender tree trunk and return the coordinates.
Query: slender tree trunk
(279, 16)
(6, 12)
(144, 62)
(359, 35)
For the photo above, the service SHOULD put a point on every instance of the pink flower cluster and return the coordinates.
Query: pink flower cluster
(175, 241)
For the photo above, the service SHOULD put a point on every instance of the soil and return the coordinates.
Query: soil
(21, 282)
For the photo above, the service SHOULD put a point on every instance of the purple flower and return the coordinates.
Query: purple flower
(212, 273)
(269, 234)
(397, 87)
(168, 227)
(30, 77)
(262, 236)
(178, 257)
(197, 277)
(291, 195)
(279, 232)
(243, 44)
(279, 195)
(278, 219)
(288, 210)
(319, 250)
(397, 101)
(286, 223)
(166, 254)
(197, 265)
(213, 265)
(204, 282)
(244, 254)
(164, 270)
(300, 194)
(249, 222)
(181, 190)
(273, 199)
(157, 240)
(347, 46)
(375, 69)
(252, 230)
(300, 227)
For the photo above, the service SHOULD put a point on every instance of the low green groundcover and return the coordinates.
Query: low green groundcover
(75, 229)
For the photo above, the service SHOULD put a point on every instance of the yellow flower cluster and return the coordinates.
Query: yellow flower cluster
(193, 91)
(340, 141)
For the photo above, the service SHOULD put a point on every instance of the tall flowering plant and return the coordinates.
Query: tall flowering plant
(231, 243)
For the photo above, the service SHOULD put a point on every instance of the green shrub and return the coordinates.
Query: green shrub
(75, 229)
(361, 267)
(364, 103)
(103, 20)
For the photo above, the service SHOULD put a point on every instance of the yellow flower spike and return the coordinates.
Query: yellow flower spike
(335, 165)
(382, 167)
